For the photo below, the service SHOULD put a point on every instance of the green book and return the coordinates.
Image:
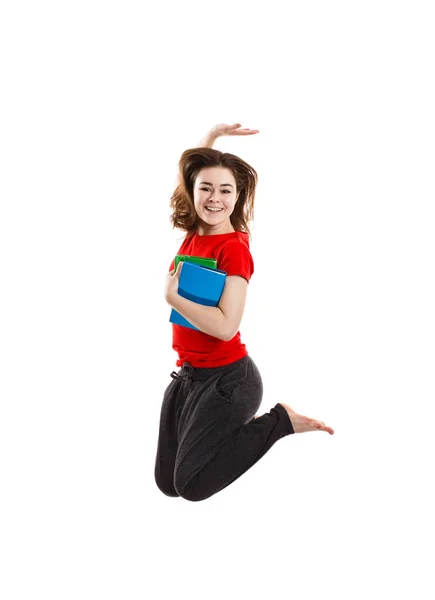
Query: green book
(211, 263)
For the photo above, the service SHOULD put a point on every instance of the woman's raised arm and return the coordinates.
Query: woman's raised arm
(222, 129)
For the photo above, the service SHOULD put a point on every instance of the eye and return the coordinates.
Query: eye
(206, 190)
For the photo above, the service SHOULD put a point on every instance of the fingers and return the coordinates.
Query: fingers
(246, 131)
(235, 130)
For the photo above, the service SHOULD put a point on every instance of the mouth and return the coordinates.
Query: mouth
(213, 210)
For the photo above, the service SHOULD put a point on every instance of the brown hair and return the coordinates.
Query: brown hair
(191, 162)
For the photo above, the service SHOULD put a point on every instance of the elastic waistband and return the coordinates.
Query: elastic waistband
(187, 371)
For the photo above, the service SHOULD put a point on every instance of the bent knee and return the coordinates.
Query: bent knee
(190, 491)
(167, 487)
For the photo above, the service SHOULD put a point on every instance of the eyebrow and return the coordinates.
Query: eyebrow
(208, 183)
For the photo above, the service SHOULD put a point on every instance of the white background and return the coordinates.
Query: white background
(98, 101)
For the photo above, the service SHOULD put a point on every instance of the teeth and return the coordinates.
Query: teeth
(213, 209)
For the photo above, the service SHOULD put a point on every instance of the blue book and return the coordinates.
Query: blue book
(199, 284)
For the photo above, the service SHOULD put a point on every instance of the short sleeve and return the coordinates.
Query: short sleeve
(235, 259)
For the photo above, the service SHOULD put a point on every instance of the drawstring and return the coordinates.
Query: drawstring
(187, 371)
(175, 375)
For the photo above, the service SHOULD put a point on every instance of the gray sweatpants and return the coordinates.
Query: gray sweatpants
(207, 436)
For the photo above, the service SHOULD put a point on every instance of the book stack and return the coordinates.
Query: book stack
(200, 281)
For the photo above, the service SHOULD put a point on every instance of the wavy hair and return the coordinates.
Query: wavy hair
(184, 215)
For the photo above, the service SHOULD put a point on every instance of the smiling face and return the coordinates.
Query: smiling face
(215, 187)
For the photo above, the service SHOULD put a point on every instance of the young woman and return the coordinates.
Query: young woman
(208, 434)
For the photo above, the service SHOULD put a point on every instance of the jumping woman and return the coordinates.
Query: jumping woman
(209, 433)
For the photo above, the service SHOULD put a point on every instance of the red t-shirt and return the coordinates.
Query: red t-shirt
(231, 250)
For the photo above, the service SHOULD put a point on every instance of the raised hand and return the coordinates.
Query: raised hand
(223, 129)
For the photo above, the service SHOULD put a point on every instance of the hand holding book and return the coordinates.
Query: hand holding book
(199, 281)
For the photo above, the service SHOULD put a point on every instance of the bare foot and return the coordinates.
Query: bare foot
(301, 423)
